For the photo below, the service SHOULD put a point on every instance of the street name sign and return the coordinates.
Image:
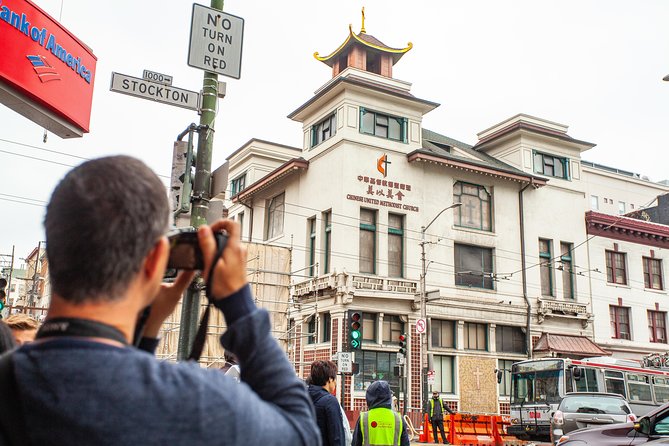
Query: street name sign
(345, 362)
(160, 78)
(216, 41)
(142, 88)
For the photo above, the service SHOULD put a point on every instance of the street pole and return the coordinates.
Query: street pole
(423, 304)
(200, 199)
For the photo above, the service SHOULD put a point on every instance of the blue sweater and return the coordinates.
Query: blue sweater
(75, 391)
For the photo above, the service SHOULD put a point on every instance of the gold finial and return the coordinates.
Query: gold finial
(362, 29)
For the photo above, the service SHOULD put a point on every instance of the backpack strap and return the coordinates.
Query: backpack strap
(12, 426)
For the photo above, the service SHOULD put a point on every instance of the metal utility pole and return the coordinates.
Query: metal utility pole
(200, 199)
(423, 302)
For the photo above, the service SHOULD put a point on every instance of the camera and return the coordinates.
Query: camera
(185, 252)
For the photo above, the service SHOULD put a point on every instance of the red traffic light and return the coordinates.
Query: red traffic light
(402, 338)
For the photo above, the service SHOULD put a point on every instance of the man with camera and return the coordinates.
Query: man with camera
(81, 382)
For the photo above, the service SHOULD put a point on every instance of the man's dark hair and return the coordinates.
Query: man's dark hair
(102, 220)
(322, 371)
(7, 341)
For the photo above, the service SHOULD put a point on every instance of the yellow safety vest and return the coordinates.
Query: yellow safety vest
(432, 407)
(380, 427)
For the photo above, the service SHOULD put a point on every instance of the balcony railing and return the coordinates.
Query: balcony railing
(349, 283)
(562, 309)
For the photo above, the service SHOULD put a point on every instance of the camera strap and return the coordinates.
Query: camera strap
(80, 328)
(201, 335)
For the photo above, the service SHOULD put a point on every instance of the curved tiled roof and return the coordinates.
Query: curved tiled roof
(366, 40)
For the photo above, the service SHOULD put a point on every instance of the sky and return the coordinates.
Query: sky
(596, 66)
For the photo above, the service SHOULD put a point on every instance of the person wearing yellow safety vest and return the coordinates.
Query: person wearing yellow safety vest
(380, 425)
(435, 410)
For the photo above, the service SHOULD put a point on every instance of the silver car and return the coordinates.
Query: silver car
(580, 410)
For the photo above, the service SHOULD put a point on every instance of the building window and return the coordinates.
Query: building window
(476, 336)
(275, 212)
(369, 327)
(393, 327)
(616, 271)
(567, 268)
(620, 322)
(311, 224)
(652, 273)
(552, 166)
(510, 339)
(325, 327)
(384, 126)
(476, 209)
(443, 374)
(443, 333)
(367, 241)
(546, 266)
(375, 366)
(594, 202)
(240, 219)
(327, 241)
(237, 185)
(311, 330)
(395, 245)
(504, 365)
(325, 129)
(657, 326)
(473, 266)
(621, 207)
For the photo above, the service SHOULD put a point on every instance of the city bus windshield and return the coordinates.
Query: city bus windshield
(537, 383)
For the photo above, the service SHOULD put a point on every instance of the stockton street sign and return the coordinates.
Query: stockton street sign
(143, 88)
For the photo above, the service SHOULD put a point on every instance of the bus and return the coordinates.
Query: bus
(538, 386)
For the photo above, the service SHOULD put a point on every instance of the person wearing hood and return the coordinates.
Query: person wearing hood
(322, 383)
(380, 425)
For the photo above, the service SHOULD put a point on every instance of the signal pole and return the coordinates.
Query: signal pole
(200, 198)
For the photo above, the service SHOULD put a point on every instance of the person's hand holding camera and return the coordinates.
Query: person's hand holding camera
(230, 269)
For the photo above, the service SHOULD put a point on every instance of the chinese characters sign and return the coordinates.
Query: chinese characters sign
(383, 192)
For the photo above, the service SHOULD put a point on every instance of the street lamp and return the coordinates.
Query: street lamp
(423, 297)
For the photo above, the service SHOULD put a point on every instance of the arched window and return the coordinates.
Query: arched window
(476, 209)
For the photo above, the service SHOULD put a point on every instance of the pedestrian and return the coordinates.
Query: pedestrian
(81, 381)
(322, 384)
(435, 410)
(23, 327)
(7, 341)
(380, 425)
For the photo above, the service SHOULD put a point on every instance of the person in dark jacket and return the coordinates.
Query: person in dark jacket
(380, 424)
(435, 410)
(322, 382)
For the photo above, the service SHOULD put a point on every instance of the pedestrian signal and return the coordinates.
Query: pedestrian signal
(355, 334)
(403, 344)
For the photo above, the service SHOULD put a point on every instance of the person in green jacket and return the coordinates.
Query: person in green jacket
(380, 425)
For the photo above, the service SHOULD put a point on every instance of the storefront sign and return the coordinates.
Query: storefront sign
(44, 66)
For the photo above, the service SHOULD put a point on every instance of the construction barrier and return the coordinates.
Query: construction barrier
(471, 429)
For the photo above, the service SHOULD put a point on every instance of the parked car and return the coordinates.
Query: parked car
(653, 428)
(580, 410)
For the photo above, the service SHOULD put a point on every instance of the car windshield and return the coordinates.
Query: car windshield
(594, 405)
(536, 387)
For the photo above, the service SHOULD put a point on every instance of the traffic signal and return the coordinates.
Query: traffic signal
(403, 344)
(354, 332)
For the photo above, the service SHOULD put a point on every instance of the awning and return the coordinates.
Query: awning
(571, 346)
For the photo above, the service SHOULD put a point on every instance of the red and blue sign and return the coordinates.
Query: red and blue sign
(45, 63)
